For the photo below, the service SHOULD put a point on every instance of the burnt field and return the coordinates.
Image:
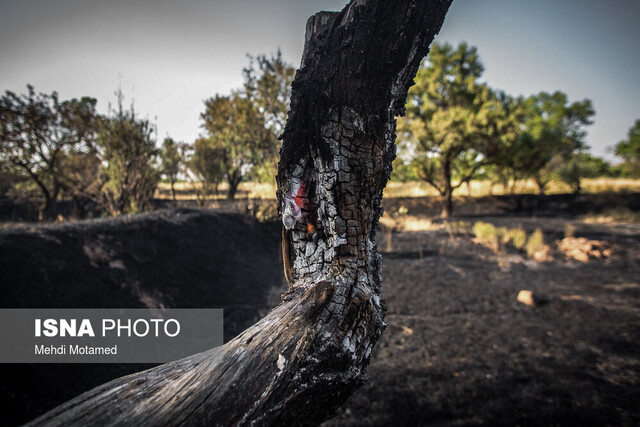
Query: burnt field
(459, 348)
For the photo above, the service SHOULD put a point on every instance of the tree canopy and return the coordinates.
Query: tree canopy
(450, 114)
(171, 159)
(37, 130)
(237, 131)
(554, 129)
(629, 151)
(267, 83)
(457, 128)
(127, 151)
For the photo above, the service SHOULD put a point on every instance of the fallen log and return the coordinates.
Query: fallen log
(304, 359)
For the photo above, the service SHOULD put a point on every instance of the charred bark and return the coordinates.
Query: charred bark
(303, 360)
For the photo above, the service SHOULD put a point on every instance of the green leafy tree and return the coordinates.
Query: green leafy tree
(629, 151)
(579, 166)
(505, 150)
(496, 174)
(37, 130)
(81, 179)
(171, 162)
(554, 130)
(403, 171)
(12, 181)
(236, 130)
(267, 83)
(450, 118)
(127, 152)
(207, 167)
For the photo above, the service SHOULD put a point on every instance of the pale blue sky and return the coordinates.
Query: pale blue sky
(171, 55)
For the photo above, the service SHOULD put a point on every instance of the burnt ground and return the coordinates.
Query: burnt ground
(172, 258)
(459, 348)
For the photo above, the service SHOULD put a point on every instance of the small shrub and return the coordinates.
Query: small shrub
(518, 237)
(535, 242)
(487, 233)
(461, 227)
(502, 233)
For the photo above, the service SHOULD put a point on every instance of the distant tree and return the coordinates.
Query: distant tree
(82, 177)
(403, 171)
(629, 151)
(496, 174)
(267, 83)
(237, 131)
(505, 151)
(450, 118)
(553, 130)
(269, 87)
(37, 130)
(127, 153)
(516, 158)
(12, 180)
(206, 165)
(171, 162)
(579, 166)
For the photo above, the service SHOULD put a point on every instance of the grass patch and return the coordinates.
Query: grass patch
(408, 223)
(487, 234)
(618, 214)
(518, 237)
(394, 189)
(535, 243)
(499, 238)
(484, 188)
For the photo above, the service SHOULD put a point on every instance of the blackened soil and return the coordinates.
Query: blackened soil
(170, 258)
(460, 350)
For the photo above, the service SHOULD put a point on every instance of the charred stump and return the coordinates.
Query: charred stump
(304, 359)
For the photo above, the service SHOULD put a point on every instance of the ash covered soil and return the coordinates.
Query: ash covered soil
(459, 348)
(183, 258)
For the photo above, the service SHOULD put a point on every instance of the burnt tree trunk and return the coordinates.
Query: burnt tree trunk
(303, 360)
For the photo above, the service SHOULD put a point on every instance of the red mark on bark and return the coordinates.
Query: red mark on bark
(301, 198)
(305, 200)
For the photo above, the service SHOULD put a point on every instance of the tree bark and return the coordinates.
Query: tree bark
(447, 191)
(541, 183)
(173, 189)
(303, 360)
(234, 179)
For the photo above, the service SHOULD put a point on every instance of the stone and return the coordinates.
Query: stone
(526, 297)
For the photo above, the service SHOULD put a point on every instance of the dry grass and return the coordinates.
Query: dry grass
(601, 185)
(618, 214)
(409, 223)
(408, 189)
(253, 190)
(484, 188)
(186, 191)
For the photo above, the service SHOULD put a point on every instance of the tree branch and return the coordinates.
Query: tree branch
(303, 360)
(468, 177)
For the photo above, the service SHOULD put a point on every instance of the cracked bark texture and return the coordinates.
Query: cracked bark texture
(306, 357)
